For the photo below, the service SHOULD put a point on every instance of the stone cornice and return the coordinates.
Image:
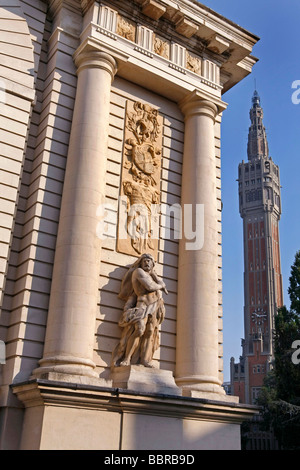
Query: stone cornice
(44, 392)
(192, 21)
(206, 21)
(202, 16)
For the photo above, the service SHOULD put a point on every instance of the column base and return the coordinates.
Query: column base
(69, 369)
(144, 379)
(204, 387)
(73, 378)
(187, 392)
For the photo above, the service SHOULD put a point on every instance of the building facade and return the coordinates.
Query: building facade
(106, 106)
(260, 209)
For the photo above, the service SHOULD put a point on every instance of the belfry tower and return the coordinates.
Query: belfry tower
(260, 209)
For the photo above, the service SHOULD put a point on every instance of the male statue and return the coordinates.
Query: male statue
(143, 312)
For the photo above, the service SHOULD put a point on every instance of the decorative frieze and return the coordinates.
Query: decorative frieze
(161, 47)
(193, 63)
(112, 24)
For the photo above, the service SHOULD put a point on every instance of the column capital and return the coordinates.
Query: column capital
(197, 103)
(91, 57)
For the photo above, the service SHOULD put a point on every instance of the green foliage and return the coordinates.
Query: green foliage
(280, 396)
(287, 330)
(294, 289)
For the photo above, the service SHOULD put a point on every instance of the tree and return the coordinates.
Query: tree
(294, 289)
(280, 396)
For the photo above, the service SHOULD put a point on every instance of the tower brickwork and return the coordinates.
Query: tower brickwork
(260, 209)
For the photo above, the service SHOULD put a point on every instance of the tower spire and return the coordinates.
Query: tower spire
(257, 137)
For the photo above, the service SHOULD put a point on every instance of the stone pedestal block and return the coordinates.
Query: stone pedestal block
(144, 379)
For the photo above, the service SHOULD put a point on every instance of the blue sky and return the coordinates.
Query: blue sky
(276, 22)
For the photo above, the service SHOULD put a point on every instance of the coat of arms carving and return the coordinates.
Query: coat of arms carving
(140, 181)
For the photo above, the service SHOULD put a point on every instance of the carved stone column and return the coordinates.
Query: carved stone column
(197, 311)
(74, 293)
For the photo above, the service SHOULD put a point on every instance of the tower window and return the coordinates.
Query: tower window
(255, 392)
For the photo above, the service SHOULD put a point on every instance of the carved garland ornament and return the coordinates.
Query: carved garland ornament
(140, 181)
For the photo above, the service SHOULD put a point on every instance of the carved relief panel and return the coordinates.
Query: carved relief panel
(140, 181)
(161, 47)
(193, 63)
(126, 28)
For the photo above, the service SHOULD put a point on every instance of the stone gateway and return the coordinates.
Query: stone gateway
(108, 101)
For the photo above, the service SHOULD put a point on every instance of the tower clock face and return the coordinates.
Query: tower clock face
(259, 317)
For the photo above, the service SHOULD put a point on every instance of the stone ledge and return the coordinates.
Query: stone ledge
(210, 396)
(46, 392)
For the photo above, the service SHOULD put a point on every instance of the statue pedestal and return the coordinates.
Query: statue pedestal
(145, 379)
